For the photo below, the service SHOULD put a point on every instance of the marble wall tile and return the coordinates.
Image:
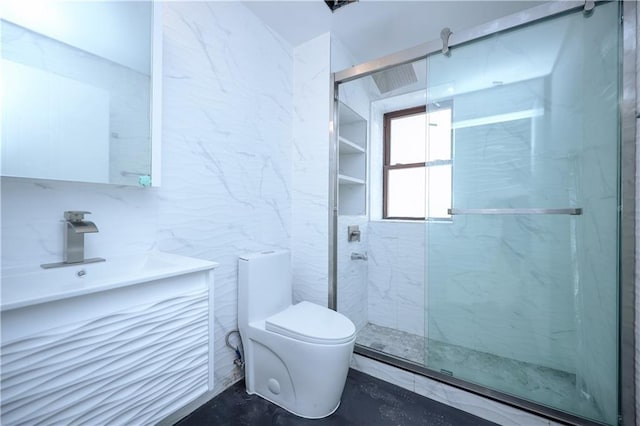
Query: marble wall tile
(396, 278)
(465, 401)
(409, 277)
(227, 178)
(32, 219)
(385, 372)
(310, 202)
(352, 274)
(228, 95)
(474, 404)
(381, 296)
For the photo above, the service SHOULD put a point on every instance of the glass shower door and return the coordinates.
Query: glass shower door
(522, 276)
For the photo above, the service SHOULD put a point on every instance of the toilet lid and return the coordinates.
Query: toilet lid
(312, 323)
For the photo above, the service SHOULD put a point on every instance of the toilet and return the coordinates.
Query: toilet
(296, 356)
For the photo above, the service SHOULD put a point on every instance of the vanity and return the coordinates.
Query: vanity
(126, 341)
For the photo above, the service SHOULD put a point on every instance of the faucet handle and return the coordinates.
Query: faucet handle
(74, 215)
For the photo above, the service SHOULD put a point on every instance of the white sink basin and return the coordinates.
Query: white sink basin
(32, 285)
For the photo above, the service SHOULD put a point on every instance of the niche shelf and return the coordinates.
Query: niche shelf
(348, 147)
(352, 162)
(348, 180)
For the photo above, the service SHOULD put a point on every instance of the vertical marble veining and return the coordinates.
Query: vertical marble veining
(226, 164)
(227, 114)
(352, 274)
(310, 186)
(396, 275)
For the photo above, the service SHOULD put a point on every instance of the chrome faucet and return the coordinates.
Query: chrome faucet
(75, 228)
(359, 256)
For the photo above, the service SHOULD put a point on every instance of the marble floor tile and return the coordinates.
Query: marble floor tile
(540, 384)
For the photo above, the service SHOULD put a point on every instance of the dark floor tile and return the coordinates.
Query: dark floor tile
(366, 401)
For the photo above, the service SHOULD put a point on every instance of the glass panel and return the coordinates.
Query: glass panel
(408, 137)
(384, 295)
(527, 304)
(439, 190)
(439, 133)
(406, 192)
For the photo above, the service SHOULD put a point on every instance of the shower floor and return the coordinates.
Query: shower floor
(543, 385)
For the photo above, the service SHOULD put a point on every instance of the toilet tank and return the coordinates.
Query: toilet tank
(264, 285)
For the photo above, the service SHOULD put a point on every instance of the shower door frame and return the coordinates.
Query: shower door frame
(627, 179)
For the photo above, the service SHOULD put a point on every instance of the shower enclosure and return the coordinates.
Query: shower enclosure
(490, 175)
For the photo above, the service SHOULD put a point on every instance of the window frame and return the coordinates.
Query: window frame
(386, 166)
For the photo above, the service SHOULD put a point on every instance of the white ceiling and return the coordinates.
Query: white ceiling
(372, 28)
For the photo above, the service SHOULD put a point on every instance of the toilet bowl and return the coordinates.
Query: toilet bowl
(296, 356)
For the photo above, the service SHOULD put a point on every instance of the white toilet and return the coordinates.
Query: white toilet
(296, 356)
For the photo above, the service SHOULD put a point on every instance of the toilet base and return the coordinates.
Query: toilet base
(293, 412)
(306, 379)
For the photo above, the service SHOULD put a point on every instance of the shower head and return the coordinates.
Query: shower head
(395, 78)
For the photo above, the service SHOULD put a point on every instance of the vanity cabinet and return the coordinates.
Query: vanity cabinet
(128, 352)
(352, 162)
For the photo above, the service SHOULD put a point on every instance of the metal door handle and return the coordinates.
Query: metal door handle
(573, 211)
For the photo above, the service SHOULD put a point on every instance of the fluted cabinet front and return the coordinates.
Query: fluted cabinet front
(132, 366)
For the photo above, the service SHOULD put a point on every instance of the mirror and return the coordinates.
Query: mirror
(78, 84)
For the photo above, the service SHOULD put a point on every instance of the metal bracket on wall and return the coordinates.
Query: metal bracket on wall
(444, 35)
(588, 6)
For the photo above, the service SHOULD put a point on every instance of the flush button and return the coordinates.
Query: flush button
(274, 386)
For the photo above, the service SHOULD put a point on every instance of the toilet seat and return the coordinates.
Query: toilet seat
(312, 323)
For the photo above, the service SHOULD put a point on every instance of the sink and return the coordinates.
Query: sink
(32, 285)
(88, 344)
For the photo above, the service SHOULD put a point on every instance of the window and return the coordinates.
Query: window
(417, 157)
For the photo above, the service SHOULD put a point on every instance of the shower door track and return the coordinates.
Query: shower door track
(627, 158)
(472, 387)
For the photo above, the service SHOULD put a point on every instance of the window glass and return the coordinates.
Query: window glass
(409, 138)
(439, 183)
(439, 141)
(418, 157)
(405, 193)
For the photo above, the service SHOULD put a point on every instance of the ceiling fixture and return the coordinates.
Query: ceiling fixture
(395, 78)
(336, 4)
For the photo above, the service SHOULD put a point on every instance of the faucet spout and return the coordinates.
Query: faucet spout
(83, 227)
(76, 227)
(359, 256)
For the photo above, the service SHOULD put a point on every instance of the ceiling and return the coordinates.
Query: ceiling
(372, 28)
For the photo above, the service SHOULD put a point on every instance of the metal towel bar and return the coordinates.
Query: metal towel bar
(570, 211)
